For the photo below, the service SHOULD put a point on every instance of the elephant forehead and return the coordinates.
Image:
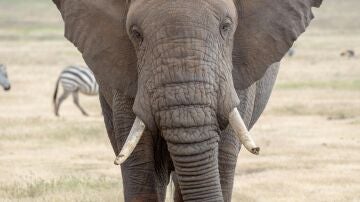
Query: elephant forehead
(163, 12)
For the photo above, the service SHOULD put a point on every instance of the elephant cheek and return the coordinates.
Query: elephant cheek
(143, 109)
(227, 101)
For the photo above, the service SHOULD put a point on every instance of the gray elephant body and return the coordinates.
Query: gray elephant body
(153, 174)
(181, 67)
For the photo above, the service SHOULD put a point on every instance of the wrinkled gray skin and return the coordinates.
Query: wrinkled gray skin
(188, 86)
(181, 67)
(4, 80)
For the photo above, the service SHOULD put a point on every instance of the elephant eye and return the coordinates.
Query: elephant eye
(225, 27)
(136, 35)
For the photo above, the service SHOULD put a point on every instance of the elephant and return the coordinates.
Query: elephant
(182, 82)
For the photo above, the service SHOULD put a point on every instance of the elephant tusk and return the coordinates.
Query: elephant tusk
(242, 132)
(132, 140)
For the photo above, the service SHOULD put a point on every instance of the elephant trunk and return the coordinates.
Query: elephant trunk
(186, 115)
(194, 150)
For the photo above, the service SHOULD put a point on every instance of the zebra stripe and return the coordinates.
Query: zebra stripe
(79, 79)
(74, 80)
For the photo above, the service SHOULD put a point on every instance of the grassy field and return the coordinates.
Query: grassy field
(309, 133)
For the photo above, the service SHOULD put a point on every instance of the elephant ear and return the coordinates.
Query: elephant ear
(98, 29)
(266, 30)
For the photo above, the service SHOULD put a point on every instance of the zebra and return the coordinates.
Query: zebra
(4, 80)
(348, 53)
(75, 79)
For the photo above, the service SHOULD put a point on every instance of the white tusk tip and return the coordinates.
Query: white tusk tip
(119, 159)
(255, 150)
(131, 141)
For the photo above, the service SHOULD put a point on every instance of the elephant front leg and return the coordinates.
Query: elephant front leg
(229, 147)
(139, 180)
(138, 171)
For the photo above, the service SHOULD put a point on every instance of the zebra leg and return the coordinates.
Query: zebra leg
(61, 99)
(76, 101)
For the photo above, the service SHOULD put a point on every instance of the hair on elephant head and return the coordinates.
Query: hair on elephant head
(181, 71)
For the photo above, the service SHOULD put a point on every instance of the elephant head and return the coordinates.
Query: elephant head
(184, 63)
(4, 80)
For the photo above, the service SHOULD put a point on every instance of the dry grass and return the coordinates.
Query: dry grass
(309, 133)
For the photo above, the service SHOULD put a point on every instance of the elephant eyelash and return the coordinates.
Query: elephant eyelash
(225, 27)
(136, 35)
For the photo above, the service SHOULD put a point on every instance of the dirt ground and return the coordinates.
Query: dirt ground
(309, 133)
